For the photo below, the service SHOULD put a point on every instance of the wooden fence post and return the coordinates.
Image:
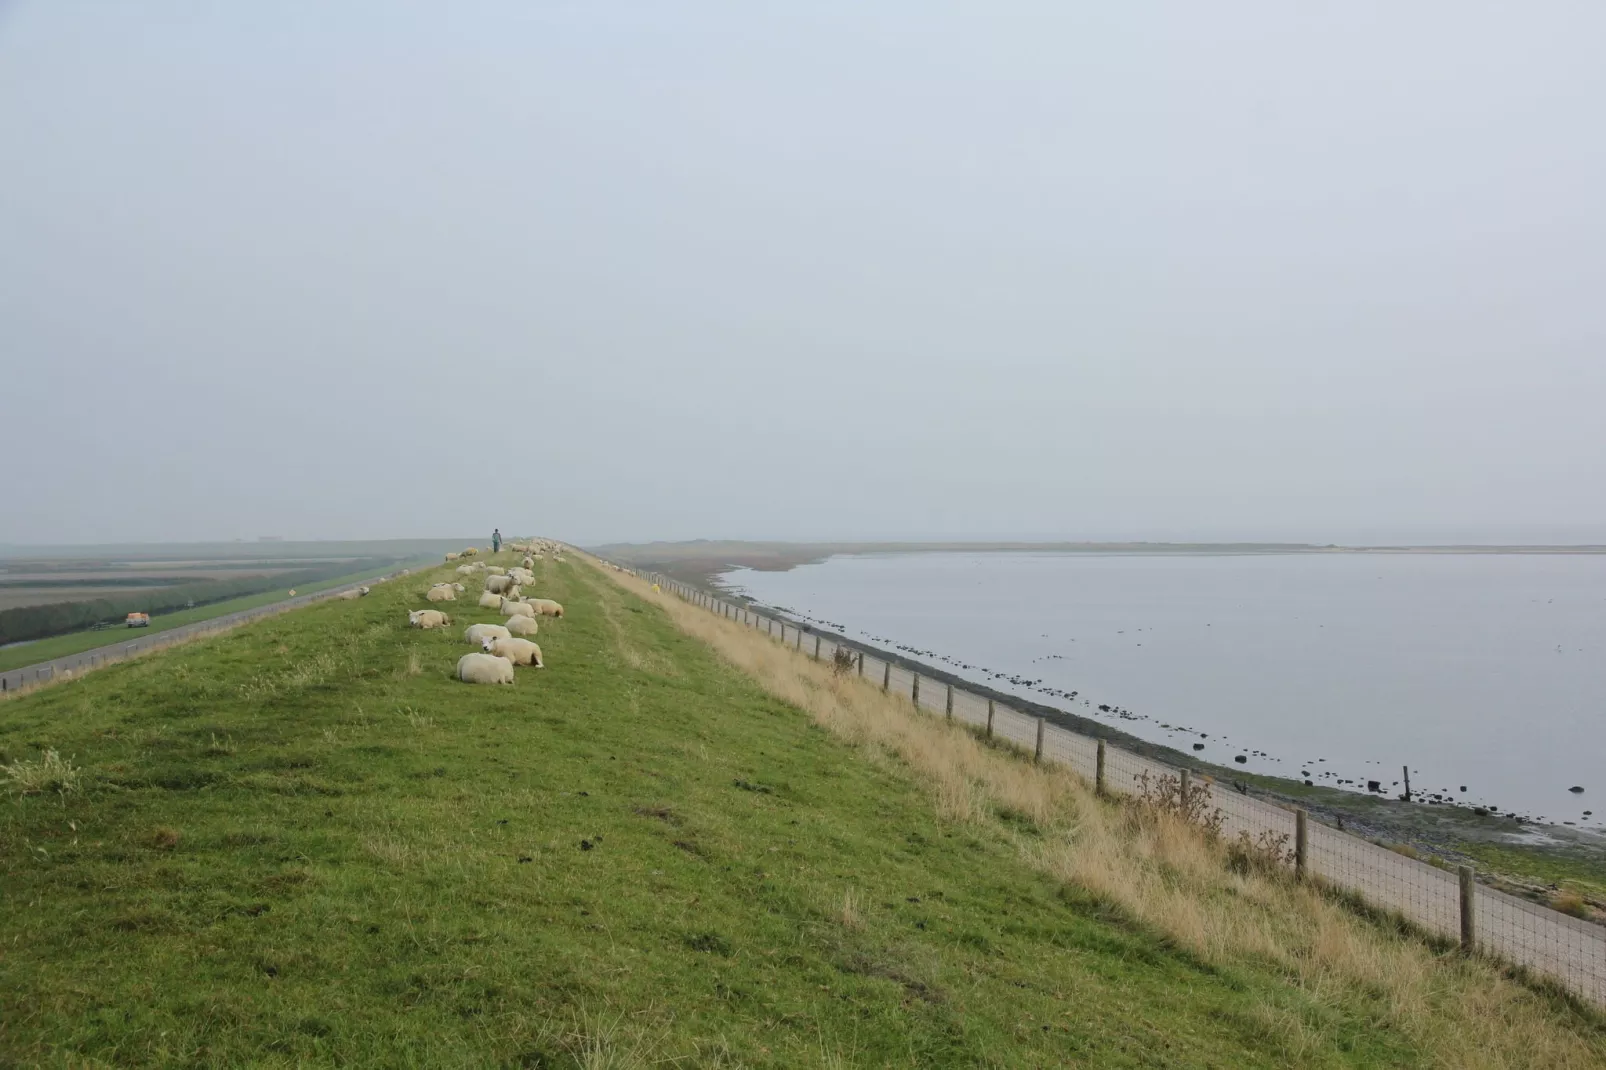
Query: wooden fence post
(1184, 782)
(1301, 845)
(1098, 771)
(816, 648)
(861, 664)
(1469, 926)
(1407, 771)
(800, 638)
(1037, 756)
(948, 710)
(989, 718)
(886, 675)
(914, 691)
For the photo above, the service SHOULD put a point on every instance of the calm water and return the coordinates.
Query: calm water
(1487, 671)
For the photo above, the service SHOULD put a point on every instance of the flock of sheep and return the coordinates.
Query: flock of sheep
(502, 646)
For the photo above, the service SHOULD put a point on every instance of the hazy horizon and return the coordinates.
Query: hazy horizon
(1161, 272)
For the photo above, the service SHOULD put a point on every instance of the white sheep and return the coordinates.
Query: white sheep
(522, 625)
(484, 669)
(512, 608)
(496, 570)
(465, 570)
(490, 600)
(471, 551)
(498, 584)
(452, 557)
(514, 592)
(443, 593)
(475, 632)
(528, 562)
(428, 618)
(518, 651)
(544, 607)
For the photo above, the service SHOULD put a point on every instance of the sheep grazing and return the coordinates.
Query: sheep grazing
(496, 570)
(544, 607)
(514, 593)
(522, 609)
(453, 556)
(484, 669)
(443, 593)
(522, 625)
(471, 551)
(476, 632)
(518, 651)
(498, 584)
(490, 600)
(428, 618)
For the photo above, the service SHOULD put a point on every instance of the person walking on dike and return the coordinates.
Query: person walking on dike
(496, 540)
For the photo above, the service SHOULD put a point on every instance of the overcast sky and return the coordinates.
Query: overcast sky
(628, 271)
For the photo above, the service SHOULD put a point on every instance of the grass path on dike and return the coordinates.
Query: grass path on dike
(304, 842)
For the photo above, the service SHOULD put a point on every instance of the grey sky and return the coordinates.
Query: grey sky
(677, 270)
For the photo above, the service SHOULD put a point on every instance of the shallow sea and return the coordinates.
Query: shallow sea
(1482, 671)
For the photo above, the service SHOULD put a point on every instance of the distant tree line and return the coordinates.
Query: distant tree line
(57, 618)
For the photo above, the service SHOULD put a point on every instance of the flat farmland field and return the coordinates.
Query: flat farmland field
(11, 597)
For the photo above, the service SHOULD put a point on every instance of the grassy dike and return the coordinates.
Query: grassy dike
(303, 842)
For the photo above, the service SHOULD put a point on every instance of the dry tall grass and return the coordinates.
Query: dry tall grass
(1163, 873)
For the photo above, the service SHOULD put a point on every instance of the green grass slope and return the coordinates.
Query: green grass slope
(303, 842)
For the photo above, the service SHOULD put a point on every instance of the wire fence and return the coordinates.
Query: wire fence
(1443, 903)
(47, 671)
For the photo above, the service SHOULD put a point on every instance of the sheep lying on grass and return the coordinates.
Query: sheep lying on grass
(490, 600)
(522, 625)
(353, 594)
(496, 570)
(442, 593)
(484, 669)
(518, 651)
(428, 618)
(512, 608)
(544, 607)
(474, 633)
(528, 562)
(465, 570)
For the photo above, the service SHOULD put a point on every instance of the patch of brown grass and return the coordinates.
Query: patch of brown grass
(1159, 869)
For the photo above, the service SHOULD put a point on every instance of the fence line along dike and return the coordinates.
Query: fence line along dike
(1446, 905)
(28, 677)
